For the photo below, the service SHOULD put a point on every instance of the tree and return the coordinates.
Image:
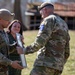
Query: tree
(17, 11)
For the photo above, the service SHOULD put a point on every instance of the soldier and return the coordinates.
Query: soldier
(5, 18)
(52, 41)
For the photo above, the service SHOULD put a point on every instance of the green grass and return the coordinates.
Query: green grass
(69, 69)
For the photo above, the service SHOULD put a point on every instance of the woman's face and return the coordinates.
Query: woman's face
(15, 28)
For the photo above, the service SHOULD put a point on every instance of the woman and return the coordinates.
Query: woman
(14, 27)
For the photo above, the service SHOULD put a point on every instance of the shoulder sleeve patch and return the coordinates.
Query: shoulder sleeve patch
(41, 27)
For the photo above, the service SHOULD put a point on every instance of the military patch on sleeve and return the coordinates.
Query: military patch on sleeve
(41, 27)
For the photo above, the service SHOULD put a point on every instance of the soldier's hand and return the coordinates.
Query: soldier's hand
(16, 65)
(19, 50)
(28, 48)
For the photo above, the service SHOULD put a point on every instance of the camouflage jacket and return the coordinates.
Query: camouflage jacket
(4, 61)
(52, 41)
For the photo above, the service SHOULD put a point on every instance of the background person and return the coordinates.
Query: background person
(14, 27)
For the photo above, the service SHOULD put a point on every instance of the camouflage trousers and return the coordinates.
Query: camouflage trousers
(3, 73)
(41, 70)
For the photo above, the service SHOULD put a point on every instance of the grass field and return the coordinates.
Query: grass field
(69, 68)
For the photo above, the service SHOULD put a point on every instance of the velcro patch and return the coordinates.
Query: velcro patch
(41, 27)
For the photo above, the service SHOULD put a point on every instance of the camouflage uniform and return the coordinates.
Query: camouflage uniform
(52, 42)
(4, 61)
